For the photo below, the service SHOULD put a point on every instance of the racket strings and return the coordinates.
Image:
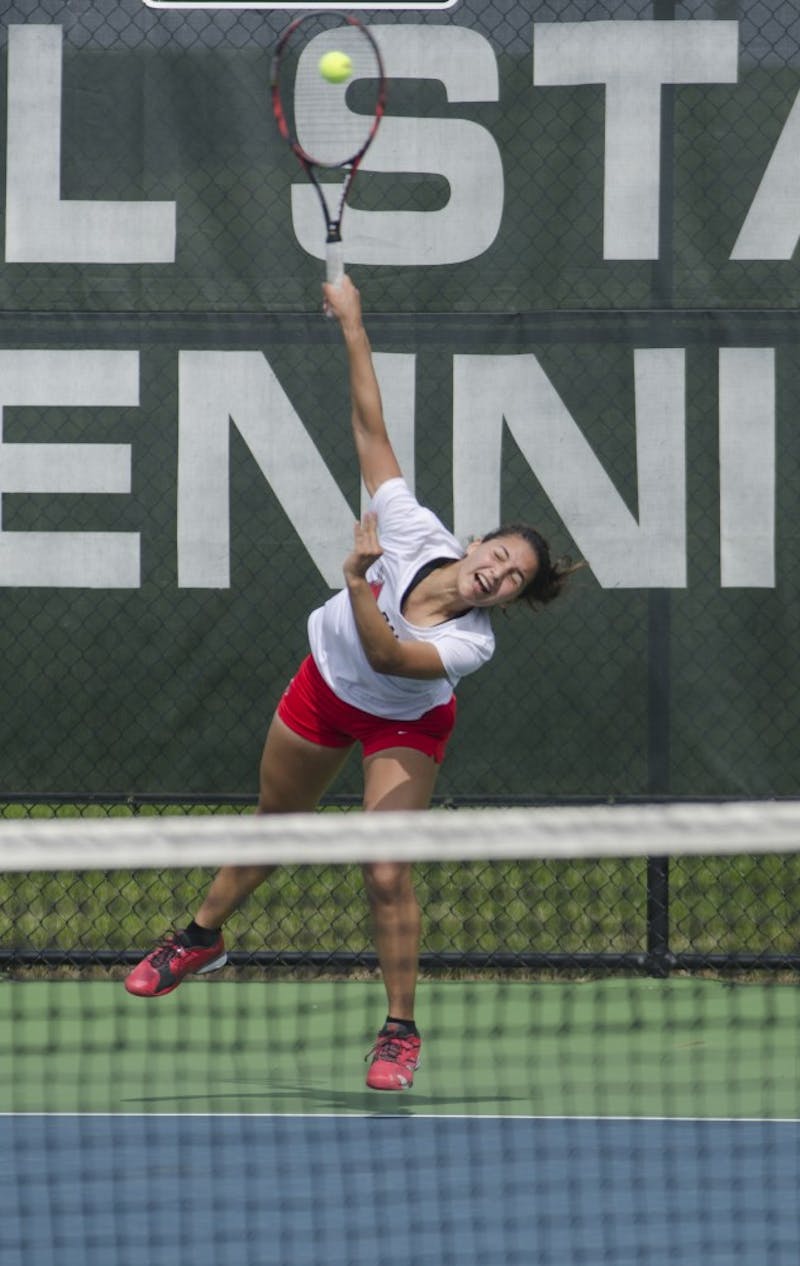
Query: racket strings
(331, 123)
(329, 138)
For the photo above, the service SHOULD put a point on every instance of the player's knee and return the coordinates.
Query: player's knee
(388, 882)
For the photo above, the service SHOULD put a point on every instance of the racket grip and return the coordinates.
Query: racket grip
(334, 263)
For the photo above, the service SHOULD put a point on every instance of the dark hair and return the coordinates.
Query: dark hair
(550, 577)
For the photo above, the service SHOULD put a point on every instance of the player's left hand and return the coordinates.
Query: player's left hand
(366, 547)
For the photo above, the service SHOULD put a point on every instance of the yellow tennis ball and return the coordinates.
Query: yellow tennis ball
(335, 67)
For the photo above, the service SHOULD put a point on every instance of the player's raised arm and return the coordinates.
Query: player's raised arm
(375, 453)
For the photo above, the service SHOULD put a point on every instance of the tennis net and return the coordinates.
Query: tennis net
(555, 1119)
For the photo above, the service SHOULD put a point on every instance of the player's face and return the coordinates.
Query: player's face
(495, 572)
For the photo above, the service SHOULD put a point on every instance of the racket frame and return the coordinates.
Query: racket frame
(334, 253)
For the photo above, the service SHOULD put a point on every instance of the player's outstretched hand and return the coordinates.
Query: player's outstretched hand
(366, 548)
(343, 301)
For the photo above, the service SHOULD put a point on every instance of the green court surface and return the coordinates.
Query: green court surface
(607, 1048)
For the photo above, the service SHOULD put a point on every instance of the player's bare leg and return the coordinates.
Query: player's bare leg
(396, 932)
(397, 779)
(294, 775)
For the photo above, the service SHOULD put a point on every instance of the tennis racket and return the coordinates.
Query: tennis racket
(311, 114)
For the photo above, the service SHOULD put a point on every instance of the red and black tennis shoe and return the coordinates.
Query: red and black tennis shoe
(163, 969)
(395, 1058)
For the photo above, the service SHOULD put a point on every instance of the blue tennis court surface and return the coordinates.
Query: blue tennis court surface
(396, 1190)
(603, 1123)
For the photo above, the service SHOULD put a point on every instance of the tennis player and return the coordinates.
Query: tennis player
(413, 618)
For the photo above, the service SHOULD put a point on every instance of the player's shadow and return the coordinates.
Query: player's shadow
(327, 1099)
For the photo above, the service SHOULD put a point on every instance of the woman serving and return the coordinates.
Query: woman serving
(413, 618)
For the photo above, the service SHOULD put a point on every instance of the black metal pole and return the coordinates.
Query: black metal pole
(658, 631)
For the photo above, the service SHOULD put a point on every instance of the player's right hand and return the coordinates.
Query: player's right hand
(342, 300)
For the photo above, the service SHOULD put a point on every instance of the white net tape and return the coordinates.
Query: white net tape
(591, 831)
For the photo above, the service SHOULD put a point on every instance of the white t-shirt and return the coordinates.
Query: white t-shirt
(410, 536)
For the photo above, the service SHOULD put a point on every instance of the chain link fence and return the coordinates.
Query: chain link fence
(153, 683)
(730, 914)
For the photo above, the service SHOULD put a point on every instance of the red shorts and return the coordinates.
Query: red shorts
(311, 709)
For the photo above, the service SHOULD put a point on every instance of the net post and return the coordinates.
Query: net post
(659, 959)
